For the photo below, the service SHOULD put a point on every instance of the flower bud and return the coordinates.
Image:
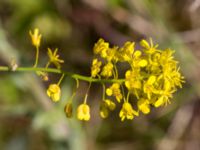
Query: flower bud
(68, 110)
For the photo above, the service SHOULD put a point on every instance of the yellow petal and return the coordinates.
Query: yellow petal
(151, 80)
(142, 63)
(145, 44)
(137, 53)
(109, 92)
(159, 102)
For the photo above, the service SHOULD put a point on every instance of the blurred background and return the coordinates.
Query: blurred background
(28, 118)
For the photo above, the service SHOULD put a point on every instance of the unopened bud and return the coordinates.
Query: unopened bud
(68, 110)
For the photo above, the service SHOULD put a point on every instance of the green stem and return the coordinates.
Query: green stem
(85, 99)
(37, 57)
(47, 65)
(104, 91)
(116, 71)
(127, 98)
(61, 79)
(58, 71)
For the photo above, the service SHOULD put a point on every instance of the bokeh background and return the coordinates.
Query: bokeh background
(28, 118)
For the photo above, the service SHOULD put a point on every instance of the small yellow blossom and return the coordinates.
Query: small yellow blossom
(107, 70)
(105, 106)
(111, 105)
(68, 110)
(127, 112)
(114, 90)
(154, 62)
(83, 112)
(101, 48)
(148, 87)
(137, 60)
(150, 48)
(43, 75)
(104, 112)
(143, 105)
(127, 51)
(164, 97)
(54, 58)
(95, 69)
(54, 92)
(112, 54)
(35, 37)
(133, 80)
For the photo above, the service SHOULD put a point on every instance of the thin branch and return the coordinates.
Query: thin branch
(58, 71)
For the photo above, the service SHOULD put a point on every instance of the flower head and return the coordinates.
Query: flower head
(127, 112)
(54, 58)
(35, 37)
(83, 112)
(54, 92)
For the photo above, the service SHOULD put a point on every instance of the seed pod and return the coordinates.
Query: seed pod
(68, 110)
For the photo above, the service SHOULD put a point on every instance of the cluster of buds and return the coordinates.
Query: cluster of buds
(151, 78)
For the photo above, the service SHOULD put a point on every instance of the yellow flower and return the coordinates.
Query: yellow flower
(111, 105)
(103, 110)
(126, 52)
(68, 110)
(137, 60)
(164, 97)
(54, 92)
(43, 75)
(83, 112)
(133, 79)
(166, 56)
(127, 112)
(105, 106)
(54, 58)
(143, 105)
(114, 90)
(148, 87)
(35, 37)
(95, 69)
(107, 70)
(150, 48)
(111, 54)
(154, 62)
(101, 48)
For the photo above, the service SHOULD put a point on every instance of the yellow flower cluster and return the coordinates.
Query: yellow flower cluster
(152, 76)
